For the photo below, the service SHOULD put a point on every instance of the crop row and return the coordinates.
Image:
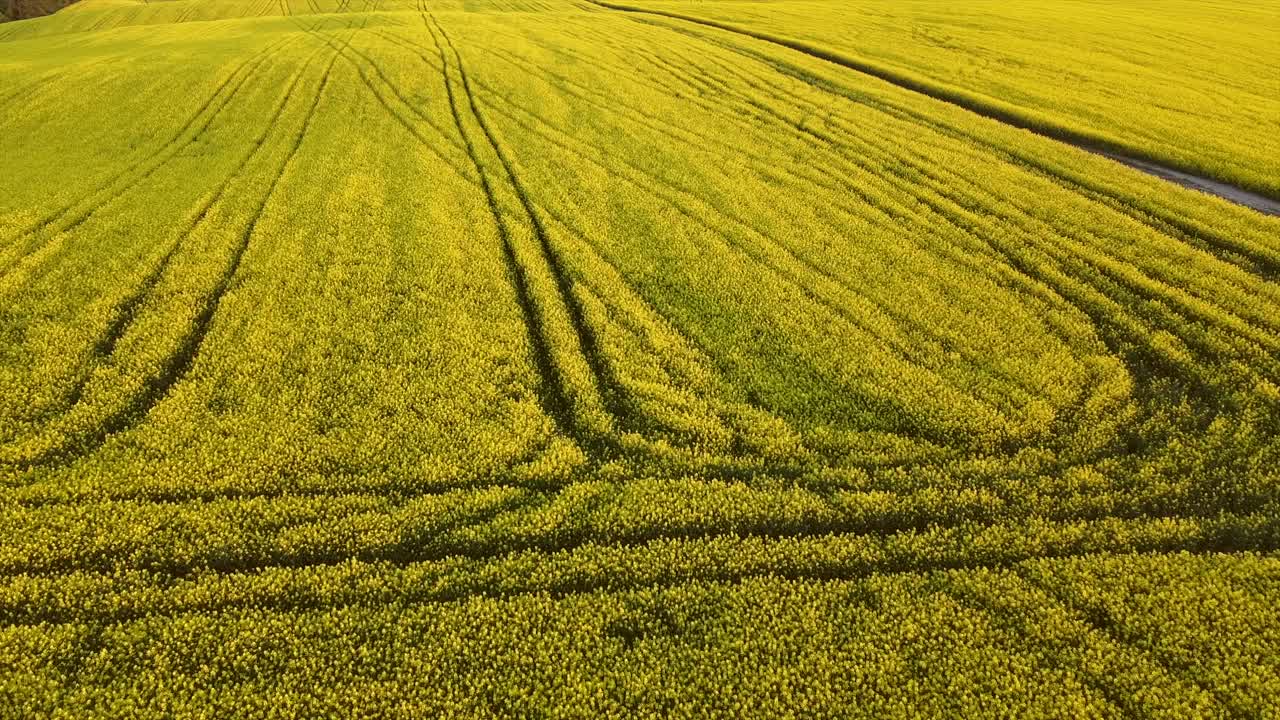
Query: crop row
(969, 642)
(247, 533)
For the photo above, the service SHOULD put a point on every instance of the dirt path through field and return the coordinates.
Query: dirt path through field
(1186, 179)
(1223, 190)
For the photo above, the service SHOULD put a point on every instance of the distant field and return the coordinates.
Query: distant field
(543, 359)
(1190, 83)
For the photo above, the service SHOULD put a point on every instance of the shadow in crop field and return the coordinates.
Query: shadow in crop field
(797, 272)
(601, 446)
(555, 396)
(800, 280)
(840, 185)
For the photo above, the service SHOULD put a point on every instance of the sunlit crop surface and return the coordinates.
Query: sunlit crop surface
(552, 359)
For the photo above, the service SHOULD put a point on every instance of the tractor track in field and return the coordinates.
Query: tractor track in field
(561, 278)
(945, 188)
(553, 396)
(193, 494)
(178, 363)
(758, 525)
(1225, 191)
(806, 264)
(757, 253)
(205, 115)
(965, 225)
(833, 307)
(965, 228)
(399, 117)
(180, 497)
(186, 11)
(23, 93)
(125, 313)
(1222, 531)
(606, 383)
(449, 585)
(101, 24)
(562, 281)
(841, 184)
(601, 446)
(714, 474)
(1251, 260)
(648, 122)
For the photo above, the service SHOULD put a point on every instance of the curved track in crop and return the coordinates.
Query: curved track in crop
(658, 344)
